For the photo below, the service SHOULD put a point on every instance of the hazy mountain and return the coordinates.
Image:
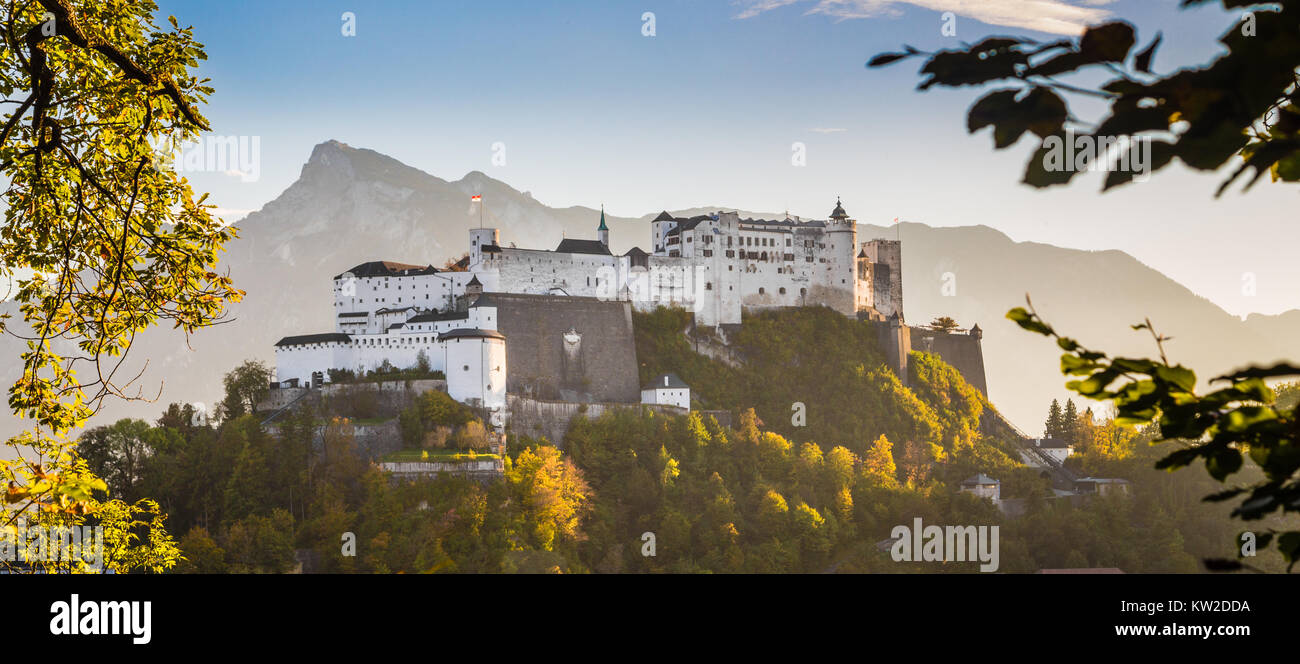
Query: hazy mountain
(352, 205)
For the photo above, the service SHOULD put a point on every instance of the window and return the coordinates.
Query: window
(783, 290)
(760, 290)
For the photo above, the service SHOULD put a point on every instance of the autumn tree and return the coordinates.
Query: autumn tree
(878, 463)
(552, 494)
(100, 237)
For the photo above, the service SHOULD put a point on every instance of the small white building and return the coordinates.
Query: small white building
(1058, 450)
(983, 486)
(667, 390)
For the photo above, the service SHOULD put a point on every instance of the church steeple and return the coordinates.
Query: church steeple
(602, 231)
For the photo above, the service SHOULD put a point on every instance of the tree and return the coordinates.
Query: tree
(1053, 427)
(246, 385)
(943, 324)
(552, 493)
(878, 463)
(101, 240)
(472, 436)
(1243, 103)
(1218, 427)
(202, 554)
(117, 453)
(1070, 423)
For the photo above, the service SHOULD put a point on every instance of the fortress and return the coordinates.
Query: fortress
(563, 317)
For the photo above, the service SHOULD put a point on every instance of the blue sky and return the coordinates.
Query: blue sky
(705, 112)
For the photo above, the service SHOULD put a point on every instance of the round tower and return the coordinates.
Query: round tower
(476, 366)
(840, 276)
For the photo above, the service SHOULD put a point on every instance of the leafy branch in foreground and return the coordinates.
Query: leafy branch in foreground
(101, 239)
(1219, 427)
(1244, 103)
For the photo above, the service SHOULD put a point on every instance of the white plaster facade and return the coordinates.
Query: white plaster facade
(667, 390)
(713, 265)
(983, 486)
(476, 369)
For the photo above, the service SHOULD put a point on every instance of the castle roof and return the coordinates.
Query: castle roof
(571, 246)
(474, 281)
(666, 381)
(471, 333)
(354, 314)
(389, 269)
(838, 212)
(305, 339)
(979, 479)
(434, 317)
(688, 224)
(664, 216)
(637, 252)
(783, 223)
(602, 220)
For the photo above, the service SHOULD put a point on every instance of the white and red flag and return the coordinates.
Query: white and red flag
(476, 199)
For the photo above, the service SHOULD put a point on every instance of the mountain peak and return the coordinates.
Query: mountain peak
(334, 160)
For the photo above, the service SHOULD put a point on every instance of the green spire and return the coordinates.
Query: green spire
(602, 220)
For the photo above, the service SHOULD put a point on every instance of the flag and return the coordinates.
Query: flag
(476, 199)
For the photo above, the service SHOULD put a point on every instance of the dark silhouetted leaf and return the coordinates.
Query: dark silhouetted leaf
(1142, 62)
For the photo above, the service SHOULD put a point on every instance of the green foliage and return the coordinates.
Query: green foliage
(101, 239)
(836, 371)
(1220, 427)
(1243, 103)
(436, 420)
(944, 324)
(246, 385)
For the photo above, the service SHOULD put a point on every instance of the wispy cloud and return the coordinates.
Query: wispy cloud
(1064, 17)
(827, 130)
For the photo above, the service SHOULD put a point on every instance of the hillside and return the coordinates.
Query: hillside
(832, 386)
